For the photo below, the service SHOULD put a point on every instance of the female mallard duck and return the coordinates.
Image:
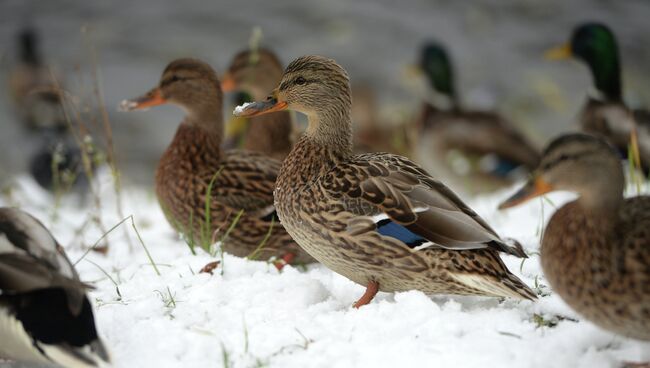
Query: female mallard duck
(257, 72)
(45, 315)
(195, 169)
(606, 114)
(377, 218)
(595, 250)
(476, 150)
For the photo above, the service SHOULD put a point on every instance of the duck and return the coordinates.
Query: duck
(479, 151)
(45, 314)
(605, 111)
(257, 71)
(195, 173)
(35, 94)
(378, 219)
(595, 251)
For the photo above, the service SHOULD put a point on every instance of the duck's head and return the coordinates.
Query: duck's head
(253, 71)
(579, 163)
(188, 83)
(313, 85)
(435, 64)
(595, 45)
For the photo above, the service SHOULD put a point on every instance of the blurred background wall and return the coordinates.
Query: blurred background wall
(497, 47)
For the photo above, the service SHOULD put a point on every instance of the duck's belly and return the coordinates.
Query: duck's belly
(394, 269)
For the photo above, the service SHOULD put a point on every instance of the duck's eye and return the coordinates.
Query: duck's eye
(300, 81)
(174, 78)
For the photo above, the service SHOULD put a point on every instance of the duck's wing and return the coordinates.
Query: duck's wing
(404, 202)
(31, 259)
(246, 180)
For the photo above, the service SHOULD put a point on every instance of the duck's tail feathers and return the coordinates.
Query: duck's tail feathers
(516, 249)
(507, 286)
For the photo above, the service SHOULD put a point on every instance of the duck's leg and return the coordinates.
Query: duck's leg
(285, 260)
(371, 291)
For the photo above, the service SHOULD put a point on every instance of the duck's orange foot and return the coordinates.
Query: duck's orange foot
(371, 291)
(285, 260)
(210, 267)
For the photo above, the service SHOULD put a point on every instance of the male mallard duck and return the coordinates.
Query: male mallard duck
(195, 169)
(257, 72)
(606, 114)
(595, 250)
(45, 315)
(377, 218)
(477, 150)
(36, 97)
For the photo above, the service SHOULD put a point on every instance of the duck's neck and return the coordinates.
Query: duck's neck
(332, 130)
(606, 72)
(199, 134)
(327, 141)
(604, 196)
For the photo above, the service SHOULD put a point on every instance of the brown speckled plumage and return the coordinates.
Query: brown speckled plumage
(327, 197)
(243, 180)
(257, 72)
(596, 250)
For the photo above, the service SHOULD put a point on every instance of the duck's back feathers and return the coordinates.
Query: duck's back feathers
(393, 189)
(246, 180)
(31, 259)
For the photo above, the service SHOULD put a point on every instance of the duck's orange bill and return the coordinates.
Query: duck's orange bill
(228, 83)
(559, 53)
(534, 187)
(151, 98)
(259, 108)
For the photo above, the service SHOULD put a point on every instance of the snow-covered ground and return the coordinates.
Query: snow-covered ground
(250, 315)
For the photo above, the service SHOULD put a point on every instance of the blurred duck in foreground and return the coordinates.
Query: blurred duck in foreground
(476, 151)
(606, 113)
(596, 250)
(256, 72)
(45, 315)
(195, 173)
(378, 218)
